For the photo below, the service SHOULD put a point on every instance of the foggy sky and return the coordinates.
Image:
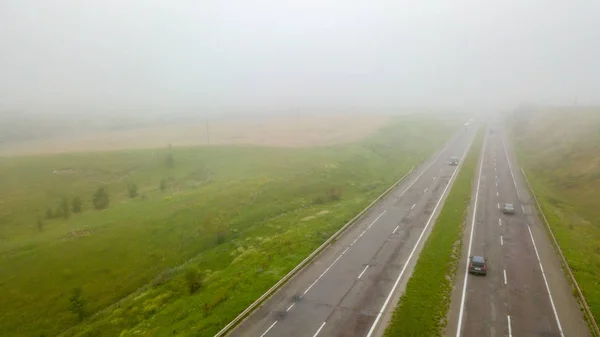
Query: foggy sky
(83, 53)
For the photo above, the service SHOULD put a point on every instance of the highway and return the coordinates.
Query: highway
(525, 292)
(351, 288)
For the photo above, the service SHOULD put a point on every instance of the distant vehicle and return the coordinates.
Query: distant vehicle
(478, 265)
(453, 161)
(508, 209)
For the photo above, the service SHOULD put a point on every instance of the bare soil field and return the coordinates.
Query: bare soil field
(289, 131)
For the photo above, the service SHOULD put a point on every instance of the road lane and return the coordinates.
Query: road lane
(376, 248)
(514, 297)
(530, 307)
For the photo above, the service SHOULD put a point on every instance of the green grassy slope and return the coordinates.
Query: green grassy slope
(423, 306)
(241, 216)
(560, 152)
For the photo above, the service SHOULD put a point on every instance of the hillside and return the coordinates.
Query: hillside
(209, 230)
(560, 151)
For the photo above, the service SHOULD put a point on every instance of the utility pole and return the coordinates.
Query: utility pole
(207, 134)
(298, 126)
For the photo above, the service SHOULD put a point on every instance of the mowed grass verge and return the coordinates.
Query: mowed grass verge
(231, 222)
(423, 306)
(559, 149)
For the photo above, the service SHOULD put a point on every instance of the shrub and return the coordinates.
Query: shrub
(194, 280)
(64, 208)
(334, 194)
(76, 205)
(50, 214)
(132, 190)
(100, 199)
(77, 303)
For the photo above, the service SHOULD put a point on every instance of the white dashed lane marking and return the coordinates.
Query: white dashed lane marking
(269, 329)
(321, 328)
(364, 270)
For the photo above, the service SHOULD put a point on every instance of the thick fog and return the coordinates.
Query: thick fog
(90, 55)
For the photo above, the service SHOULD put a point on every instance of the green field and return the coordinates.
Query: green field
(423, 306)
(183, 261)
(560, 152)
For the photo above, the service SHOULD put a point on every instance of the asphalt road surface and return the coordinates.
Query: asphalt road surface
(525, 292)
(343, 292)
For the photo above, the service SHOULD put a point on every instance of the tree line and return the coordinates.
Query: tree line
(100, 198)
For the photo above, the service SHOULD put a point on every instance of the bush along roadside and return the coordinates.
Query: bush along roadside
(423, 306)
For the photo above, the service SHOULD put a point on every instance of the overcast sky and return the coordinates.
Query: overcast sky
(294, 53)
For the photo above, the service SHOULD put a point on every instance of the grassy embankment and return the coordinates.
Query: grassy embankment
(423, 306)
(186, 260)
(560, 152)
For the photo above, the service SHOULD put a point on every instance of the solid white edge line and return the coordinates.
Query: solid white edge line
(464, 292)
(364, 270)
(546, 282)
(320, 328)
(511, 170)
(534, 245)
(269, 329)
(509, 327)
(395, 229)
(504, 276)
(389, 297)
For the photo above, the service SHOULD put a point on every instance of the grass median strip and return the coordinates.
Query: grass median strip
(423, 307)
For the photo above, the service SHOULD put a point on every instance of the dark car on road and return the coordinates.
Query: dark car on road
(478, 265)
(508, 209)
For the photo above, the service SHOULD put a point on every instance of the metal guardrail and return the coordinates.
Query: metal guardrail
(584, 305)
(306, 261)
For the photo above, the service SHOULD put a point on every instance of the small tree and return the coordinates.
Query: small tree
(76, 205)
(40, 225)
(163, 185)
(64, 208)
(194, 280)
(77, 303)
(100, 199)
(169, 161)
(222, 233)
(132, 189)
(49, 213)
